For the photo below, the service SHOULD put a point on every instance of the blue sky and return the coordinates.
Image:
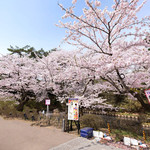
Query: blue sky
(32, 22)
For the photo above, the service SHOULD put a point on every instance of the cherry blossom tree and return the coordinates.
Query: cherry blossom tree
(113, 50)
(17, 78)
(25, 78)
(54, 75)
(112, 56)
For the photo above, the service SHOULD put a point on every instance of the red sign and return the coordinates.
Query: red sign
(147, 93)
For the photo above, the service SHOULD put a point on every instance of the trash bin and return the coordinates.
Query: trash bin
(86, 132)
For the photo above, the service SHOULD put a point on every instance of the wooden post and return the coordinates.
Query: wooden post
(68, 125)
(78, 127)
(63, 125)
(71, 126)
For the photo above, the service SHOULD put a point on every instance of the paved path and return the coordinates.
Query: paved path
(19, 135)
(83, 144)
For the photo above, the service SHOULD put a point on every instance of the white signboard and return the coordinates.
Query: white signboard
(47, 102)
(73, 109)
(147, 93)
(134, 142)
(127, 141)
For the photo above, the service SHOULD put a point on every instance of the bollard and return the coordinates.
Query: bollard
(48, 117)
(144, 137)
(63, 125)
(108, 127)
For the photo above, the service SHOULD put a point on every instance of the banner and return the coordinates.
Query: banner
(73, 109)
(147, 93)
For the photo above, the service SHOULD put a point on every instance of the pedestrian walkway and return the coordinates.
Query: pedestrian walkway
(20, 135)
(83, 144)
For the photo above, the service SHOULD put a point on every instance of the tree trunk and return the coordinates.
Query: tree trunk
(21, 104)
(140, 99)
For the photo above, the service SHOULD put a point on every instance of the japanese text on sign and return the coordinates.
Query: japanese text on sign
(47, 102)
(73, 109)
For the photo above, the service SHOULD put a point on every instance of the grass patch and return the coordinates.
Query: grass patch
(119, 134)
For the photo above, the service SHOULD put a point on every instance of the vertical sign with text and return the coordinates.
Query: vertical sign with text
(73, 109)
(47, 102)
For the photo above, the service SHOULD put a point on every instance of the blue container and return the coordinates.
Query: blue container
(86, 132)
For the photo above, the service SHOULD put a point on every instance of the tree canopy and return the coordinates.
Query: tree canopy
(111, 55)
(113, 44)
(30, 51)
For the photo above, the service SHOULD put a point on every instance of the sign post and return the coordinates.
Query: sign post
(47, 102)
(73, 113)
(147, 93)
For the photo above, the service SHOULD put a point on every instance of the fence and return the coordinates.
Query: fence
(127, 123)
(51, 119)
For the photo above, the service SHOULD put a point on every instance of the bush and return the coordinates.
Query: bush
(32, 104)
(30, 113)
(90, 120)
(8, 109)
